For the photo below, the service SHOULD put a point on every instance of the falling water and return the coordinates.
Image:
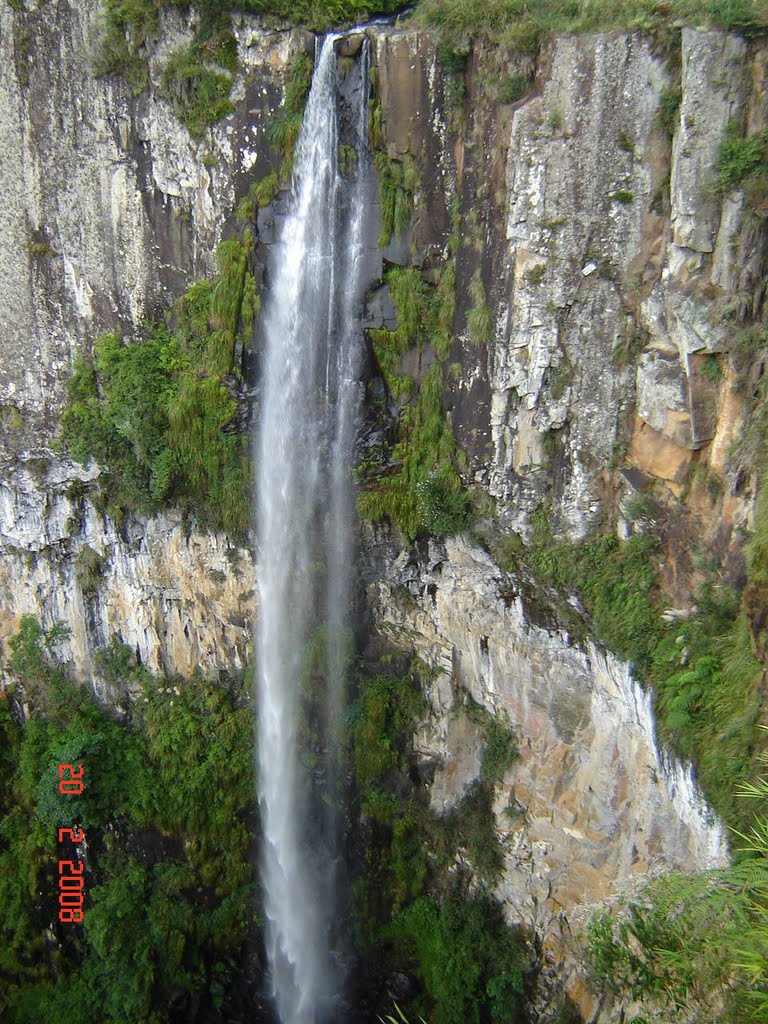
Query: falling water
(311, 398)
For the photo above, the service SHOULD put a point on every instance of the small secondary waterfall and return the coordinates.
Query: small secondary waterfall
(310, 402)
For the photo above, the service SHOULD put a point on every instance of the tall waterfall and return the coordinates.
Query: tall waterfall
(310, 402)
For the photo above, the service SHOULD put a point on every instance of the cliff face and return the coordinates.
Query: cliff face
(108, 211)
(589, 806)
(108, 207)
(181, 601)
(613, 271)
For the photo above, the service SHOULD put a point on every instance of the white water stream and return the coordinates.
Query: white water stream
(310, 402)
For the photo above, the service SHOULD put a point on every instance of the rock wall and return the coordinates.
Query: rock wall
(107, 207)
(615, 271)
(612, 269)
(182, 601)
(612, 266)
(590, 807)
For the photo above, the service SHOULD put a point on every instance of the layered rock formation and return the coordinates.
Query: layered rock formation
(182, 601)
(109, 208)
(613, 270)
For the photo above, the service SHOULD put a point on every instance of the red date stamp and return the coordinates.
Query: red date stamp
(71, 871)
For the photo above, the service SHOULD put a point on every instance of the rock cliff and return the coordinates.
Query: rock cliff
(590, 806)
(614, 273)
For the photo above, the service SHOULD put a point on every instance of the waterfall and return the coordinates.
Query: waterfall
(310, 401)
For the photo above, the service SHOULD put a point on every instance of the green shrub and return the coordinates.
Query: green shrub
(414, 305)
(748, 17)
(375, 127)
(217, 45)
(742, 162)
(500, 750)
(285, 127)
(261, 193)
(691, 942)
(156, 412)
(445, 298)
(441, 509)
(710, 369)
(413, 302)
(472, 966)
(423, 315)
(512, 88)
(426, 489)
(347, 159)
(535, 273)
(89, 568)
(670, 98)
(199, 93)
(129, 25)
(317, 15)
(117, 662)
(40, 249)
(398, 181)
(470, 826)
(425, 494)
(387, 709)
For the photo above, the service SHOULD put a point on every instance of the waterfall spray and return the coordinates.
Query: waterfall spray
(310, 402)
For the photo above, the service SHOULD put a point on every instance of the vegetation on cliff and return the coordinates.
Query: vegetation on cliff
(285, 126)
(425, 493)
(421, 491)
(703, 671)
(194, 83)
(743, 164)
(197, 79)
(398, 181)
(171, 897)
(413, 910)
(157, 412)
(170, 888)
(523, 25)
(695, 946)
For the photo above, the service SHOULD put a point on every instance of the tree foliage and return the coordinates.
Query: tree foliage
(471, 964)
(414, 912)
(169, 886)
